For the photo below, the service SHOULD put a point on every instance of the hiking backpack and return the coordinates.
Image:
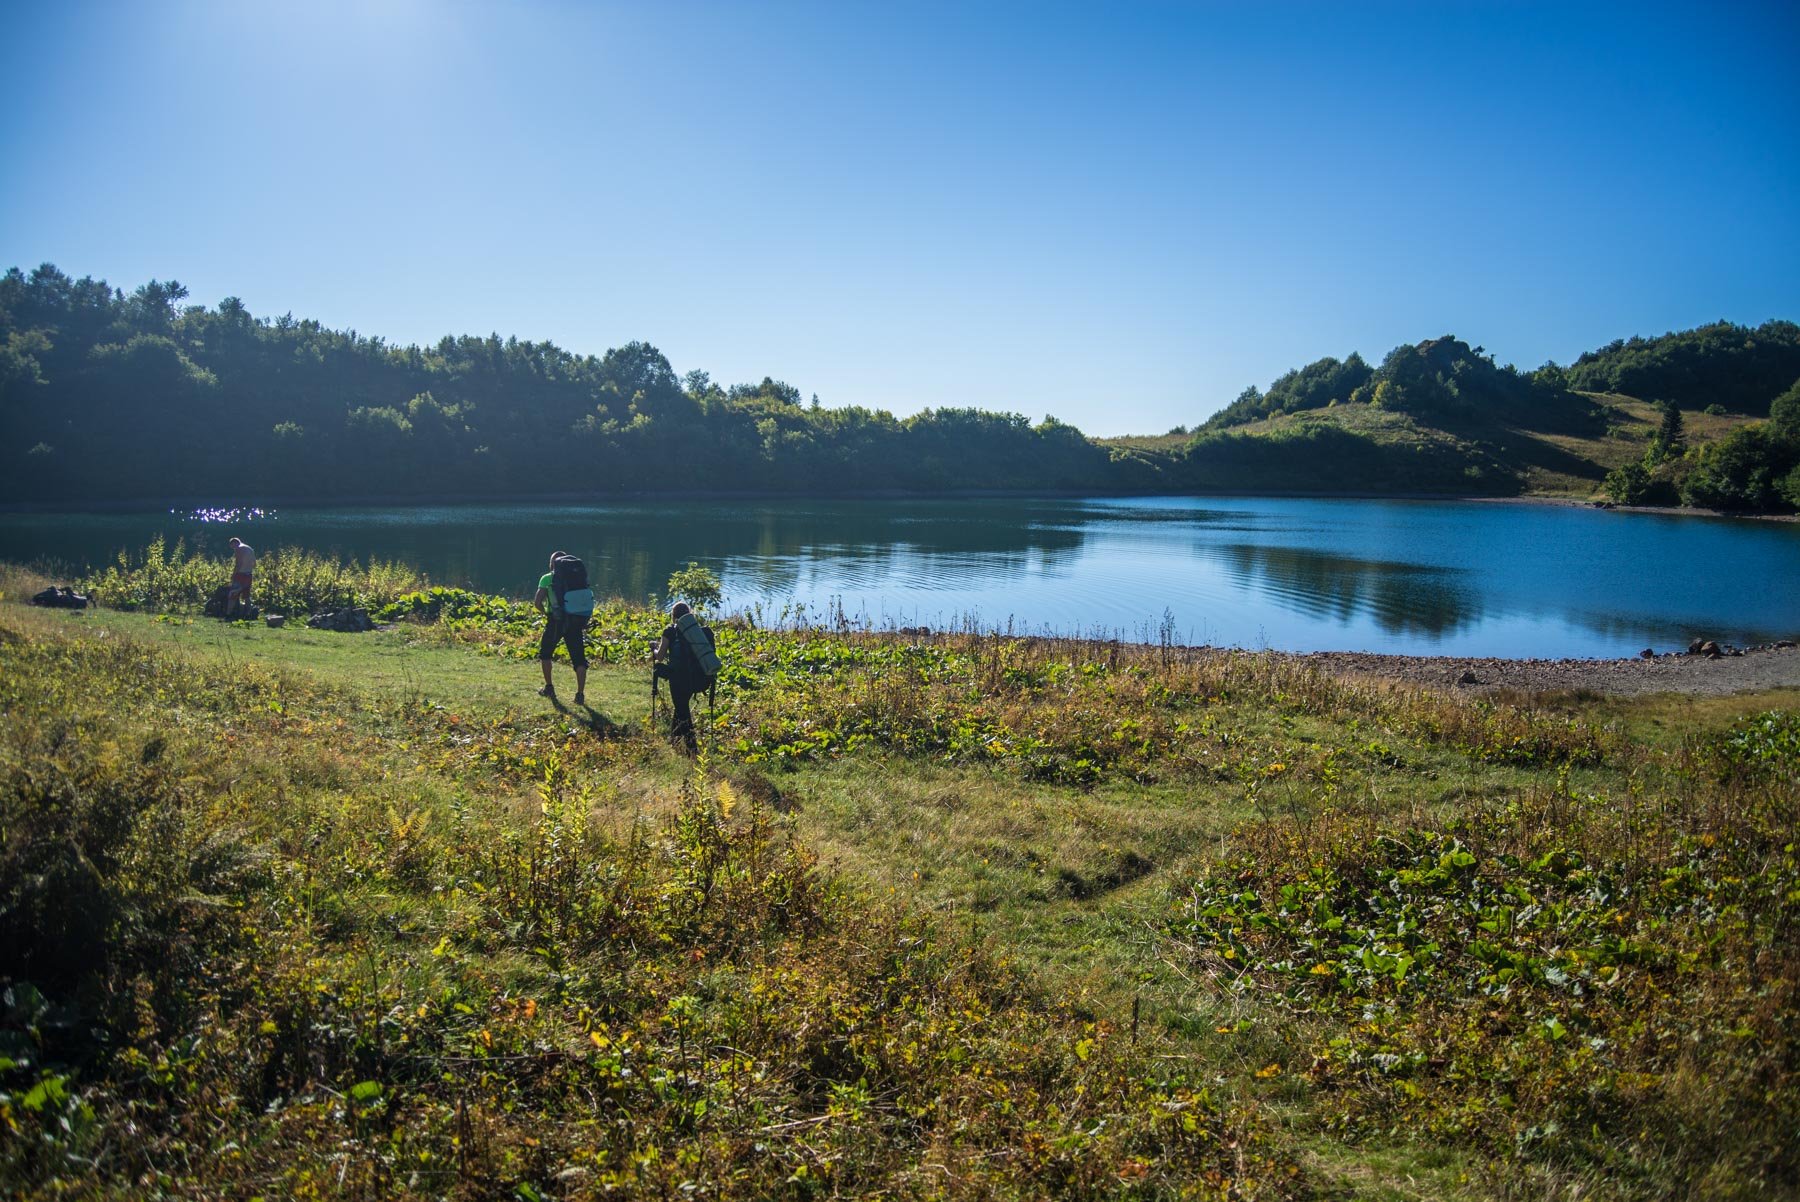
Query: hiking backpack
(697, 643)
(569, 581)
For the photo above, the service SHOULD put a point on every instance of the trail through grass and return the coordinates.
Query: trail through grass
(956, 917)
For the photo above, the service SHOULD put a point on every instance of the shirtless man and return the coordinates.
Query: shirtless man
(243, 563)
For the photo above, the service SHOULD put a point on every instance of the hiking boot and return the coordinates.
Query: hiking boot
(547, 691)
(580, 698)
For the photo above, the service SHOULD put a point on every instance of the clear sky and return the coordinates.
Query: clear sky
(1120, 214)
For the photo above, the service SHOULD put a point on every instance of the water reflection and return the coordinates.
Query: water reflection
(1421, 577)
(1402, 598)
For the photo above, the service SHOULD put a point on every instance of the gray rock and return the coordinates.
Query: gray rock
(347, 621)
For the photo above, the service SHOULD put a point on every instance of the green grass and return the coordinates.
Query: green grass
(402, 662)
(957, 917)
(1551, 464)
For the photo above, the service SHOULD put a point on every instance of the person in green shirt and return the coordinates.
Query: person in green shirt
(565, 620)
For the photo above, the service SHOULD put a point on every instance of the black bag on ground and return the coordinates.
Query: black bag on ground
(61, 598)
(219, 606)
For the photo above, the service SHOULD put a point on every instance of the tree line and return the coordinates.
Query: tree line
(107, 395)
(1741, 369)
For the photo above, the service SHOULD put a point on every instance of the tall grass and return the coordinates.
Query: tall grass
(167, 579)
(297, 962)
(387, 948)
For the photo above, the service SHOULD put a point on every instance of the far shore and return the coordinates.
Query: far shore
(171, 504)
(1608, 507)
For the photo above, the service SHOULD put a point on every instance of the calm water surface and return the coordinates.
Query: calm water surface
(1427, 578)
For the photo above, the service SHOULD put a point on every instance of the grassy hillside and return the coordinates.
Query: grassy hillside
(1441, 416)
(1492, 457)
(1630, 425)
(309, 914)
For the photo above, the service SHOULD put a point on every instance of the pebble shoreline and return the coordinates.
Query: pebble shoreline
(1756, 669)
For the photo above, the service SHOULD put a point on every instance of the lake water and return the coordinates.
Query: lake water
(1417, 577)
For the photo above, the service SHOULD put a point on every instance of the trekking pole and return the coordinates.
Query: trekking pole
(712, 697)
(652, 725)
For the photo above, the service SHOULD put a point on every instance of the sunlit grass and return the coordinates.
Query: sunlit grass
(949, 915)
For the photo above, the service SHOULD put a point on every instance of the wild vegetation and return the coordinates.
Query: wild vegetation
(945, 914)
(106, 396)
(1755, 467)
(262, 947)
(1740, 368)
(173, 579)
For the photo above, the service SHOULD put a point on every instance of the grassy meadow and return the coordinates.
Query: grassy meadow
(304, 914)
(1550, 463)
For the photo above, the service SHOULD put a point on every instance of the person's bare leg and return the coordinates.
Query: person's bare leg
(581, 684)
(549, 689)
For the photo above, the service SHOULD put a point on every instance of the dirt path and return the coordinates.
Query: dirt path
(1755, 670)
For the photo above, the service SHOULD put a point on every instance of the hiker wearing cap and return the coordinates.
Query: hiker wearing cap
(686, 659)
(243, 564)
(566, 601)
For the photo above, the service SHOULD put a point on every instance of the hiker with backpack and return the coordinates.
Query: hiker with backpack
(686, 659)
(566, 601)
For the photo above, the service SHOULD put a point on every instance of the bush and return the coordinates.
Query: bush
(1637, 484)
(1742, 470)
(1628, 485)
(1789, 488)
(696, 585)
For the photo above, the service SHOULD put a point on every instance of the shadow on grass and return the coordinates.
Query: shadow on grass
(604, 728)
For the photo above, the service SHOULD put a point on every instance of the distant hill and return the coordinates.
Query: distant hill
(1442, 416)
(107, 397)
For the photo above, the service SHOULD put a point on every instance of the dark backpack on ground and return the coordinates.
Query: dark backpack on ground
(219, 605)
(60, 598)
(569, 575)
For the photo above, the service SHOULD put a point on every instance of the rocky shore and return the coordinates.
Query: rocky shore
(1753, 670)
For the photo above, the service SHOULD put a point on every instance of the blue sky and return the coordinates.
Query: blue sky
(1119, 214)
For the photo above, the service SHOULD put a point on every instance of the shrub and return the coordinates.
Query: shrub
(696, 585)
(1745, 470)
(168, 579)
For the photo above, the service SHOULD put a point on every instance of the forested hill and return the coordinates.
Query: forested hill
(1738, 368)
(1664, 421)
(107, 395)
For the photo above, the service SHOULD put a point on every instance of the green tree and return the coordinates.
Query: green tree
(1670, 441)
(1745, 470)
(696, 585)
(1784, 412)
(1628, 485)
